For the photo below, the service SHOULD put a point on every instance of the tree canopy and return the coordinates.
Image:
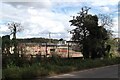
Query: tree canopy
(89, 34)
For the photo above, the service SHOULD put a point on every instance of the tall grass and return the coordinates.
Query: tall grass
(50, 67)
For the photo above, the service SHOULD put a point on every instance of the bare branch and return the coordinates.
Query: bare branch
(16, 26)
(105, 20)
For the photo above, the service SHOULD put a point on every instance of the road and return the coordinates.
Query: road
(102, 72)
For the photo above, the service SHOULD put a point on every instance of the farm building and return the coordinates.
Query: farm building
(48, 49)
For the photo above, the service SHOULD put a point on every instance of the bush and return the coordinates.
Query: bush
(13, 72)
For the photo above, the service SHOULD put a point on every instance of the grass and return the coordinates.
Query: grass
(52, 67)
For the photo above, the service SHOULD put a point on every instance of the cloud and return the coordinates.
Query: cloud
(103, 3)
(29, 3)
(46, 16)
(105, 8)
(36, 20)
(115, 23)
(49, 21)
(4, 30)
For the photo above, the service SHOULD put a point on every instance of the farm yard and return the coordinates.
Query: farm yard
(47, 38)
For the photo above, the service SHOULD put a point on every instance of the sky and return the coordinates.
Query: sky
(38, 18)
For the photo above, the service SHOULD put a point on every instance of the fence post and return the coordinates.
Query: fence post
(46, 50)
(68, 50)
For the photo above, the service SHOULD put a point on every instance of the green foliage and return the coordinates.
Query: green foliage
(50, 67)
(5, 44)
(90, 35)
(114, 47)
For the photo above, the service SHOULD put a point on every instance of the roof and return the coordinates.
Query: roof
(72, 41)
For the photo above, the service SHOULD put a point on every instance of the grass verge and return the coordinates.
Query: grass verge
(53, 67)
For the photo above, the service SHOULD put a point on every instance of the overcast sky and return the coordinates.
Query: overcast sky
(39, 17)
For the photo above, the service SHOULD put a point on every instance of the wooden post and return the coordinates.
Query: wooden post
(46, 50)
(68, 51)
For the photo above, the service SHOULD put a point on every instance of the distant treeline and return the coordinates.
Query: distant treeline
(38, 40)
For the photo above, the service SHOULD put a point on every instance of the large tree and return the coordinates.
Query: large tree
(15, 27)
(88, 34)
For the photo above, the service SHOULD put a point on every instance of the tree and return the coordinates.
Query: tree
(107, 22)
(6, 45)
(15, 27)
(0, 45)
(90, 36)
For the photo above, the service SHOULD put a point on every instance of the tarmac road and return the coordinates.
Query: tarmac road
(102, 72)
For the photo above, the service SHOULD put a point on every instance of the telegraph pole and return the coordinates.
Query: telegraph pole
(49, 37)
